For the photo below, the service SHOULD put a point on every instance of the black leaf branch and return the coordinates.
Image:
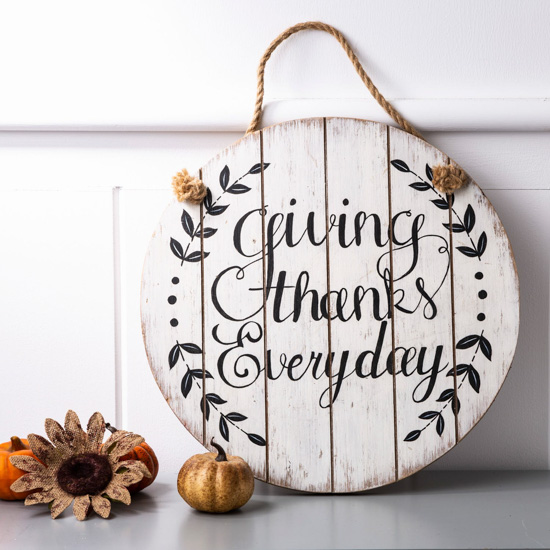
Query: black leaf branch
(209, 400)
(448, 397)
(211, 208)
(213, 400)
(175, 354)
(482, 344)
(465, 224)
(468, 372)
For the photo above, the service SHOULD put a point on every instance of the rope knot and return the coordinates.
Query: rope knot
(448, 178)
(188, 188)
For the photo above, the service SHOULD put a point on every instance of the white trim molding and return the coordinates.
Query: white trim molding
(428, 115)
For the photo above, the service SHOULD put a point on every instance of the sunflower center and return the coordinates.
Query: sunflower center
(85, 474)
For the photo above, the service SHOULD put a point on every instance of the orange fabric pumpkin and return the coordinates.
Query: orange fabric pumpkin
(8, 472)
(145, 454)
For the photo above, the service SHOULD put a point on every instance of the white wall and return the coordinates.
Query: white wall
(101, 103)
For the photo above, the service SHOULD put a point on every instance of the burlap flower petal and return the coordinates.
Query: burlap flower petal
(116, 492)
(101, 506)
(74, 433)
(29, 482)
(27, 463)
(128, 478)
(134, 465)
(81, 506)
(41, 497)
(113, 438)
(96, 430)
(43, 449)
(124, 446)
(57, 435)
(61, 502)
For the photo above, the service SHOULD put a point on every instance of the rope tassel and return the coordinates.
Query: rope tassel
(188, 188)
(448, 178)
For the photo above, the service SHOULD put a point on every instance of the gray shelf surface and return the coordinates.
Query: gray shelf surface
(428, 510)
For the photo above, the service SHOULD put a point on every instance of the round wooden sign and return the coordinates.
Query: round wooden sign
(326, 311)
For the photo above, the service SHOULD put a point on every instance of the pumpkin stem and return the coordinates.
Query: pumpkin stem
(112, 429)
(16, 444)
(222, 457)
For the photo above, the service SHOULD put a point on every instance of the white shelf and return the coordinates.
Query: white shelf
(469, 509)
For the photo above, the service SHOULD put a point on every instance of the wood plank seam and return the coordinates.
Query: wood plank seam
(329, 308)
(203, 328)
(264, 315)
(390, 227)
(453, 328)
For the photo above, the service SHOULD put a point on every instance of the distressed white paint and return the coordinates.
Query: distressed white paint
(239, 311)
(172, 331)
(363, 416)
(299, 443)
(387, 422)
(486, 304)
(424, 330)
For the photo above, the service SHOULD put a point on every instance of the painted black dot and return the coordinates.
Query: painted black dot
(175, 281)
(482, 294)
(479, 275)
(345, 202)
(481, 317)
(292, 202)
(172, 299)
(174, 322)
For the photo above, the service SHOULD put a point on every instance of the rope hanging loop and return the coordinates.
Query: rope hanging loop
(317, 25)
(446, 179)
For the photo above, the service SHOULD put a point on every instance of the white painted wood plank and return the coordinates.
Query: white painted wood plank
(486, 303)
(298, 410)
(423, 327)
(171, 313)
(233, 302)
(144, 408)
(363, 413)
(57, 307)
(513, 434)
(422, 308)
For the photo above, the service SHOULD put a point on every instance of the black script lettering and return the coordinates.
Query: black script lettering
(241, 377)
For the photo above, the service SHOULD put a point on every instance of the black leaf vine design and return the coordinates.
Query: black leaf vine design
(467, 371)
(209, 400)
(465, 224)
(211, 208)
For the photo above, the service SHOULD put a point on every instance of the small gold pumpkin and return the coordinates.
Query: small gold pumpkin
(216, 484)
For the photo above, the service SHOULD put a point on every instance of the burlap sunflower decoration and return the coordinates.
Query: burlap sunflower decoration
(79, 466)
